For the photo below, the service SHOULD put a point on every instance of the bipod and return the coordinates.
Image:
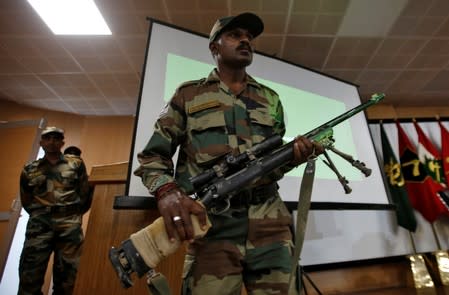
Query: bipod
(355, 163)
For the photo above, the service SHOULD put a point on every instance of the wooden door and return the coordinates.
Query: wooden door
(19, 144)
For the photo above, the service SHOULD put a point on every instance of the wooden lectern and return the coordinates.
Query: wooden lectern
(108, 227)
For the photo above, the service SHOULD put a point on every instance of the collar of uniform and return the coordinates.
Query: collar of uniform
(61, 159)
(214, 78)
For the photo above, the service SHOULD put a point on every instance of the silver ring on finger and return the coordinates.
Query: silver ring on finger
(176, 218)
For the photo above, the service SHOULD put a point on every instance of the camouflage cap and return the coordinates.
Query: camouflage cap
(246, 20)
(52, 129)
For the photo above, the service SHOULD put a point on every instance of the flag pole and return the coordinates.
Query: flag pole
(421, 276)
(436, 236)
(412, 241)
(442, 259)
(441, 256)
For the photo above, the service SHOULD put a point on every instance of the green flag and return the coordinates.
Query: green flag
(392, 168)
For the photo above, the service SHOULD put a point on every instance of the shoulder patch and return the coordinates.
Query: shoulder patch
(31, 164)
(71, 156)
(272, 92)
(191, 83)
(72, 159)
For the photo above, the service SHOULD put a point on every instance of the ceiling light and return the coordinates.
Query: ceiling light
(71, 17)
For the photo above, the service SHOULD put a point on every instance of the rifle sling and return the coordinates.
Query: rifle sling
(158, 284)
(305, 194)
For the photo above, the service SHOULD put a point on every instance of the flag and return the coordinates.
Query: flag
(430, 157)
(421, 188)
(445, 150)
(392, 169)
(445, 160)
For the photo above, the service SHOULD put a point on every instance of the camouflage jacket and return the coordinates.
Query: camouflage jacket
(43, 184)
(207, 121)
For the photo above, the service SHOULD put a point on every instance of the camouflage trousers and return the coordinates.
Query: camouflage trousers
(247, 245)
(46, 234)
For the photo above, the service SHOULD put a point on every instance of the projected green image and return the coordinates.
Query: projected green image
(304, 111)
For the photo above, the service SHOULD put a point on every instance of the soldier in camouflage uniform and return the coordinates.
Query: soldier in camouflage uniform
(52, 191)
(226, 113)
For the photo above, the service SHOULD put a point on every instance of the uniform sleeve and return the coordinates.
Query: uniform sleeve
(156, 165)
(279, 124)
(26, 196)
(281, 130)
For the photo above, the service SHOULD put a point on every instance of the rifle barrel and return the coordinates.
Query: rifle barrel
(375, 98)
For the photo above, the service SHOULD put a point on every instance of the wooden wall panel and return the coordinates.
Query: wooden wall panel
(103, 140)
(106, 140)
(386, 111)
(73, 124)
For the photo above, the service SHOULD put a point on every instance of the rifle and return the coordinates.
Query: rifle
(142, 252)
(236, 172)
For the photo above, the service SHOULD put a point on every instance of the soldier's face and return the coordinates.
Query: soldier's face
(234, 47)
(52, 142)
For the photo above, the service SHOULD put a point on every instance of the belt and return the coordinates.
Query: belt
(254, 196)
(66, 210)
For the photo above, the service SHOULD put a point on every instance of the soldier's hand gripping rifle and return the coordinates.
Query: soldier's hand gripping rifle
(143, 251)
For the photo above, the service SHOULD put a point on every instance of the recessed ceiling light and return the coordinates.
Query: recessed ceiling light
(71, 17)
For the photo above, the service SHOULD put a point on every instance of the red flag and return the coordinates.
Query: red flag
(430, 157)
(422, 189)
(445, 150)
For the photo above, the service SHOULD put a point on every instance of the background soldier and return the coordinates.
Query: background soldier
(72, 150)
(76, 152)
(52, 190)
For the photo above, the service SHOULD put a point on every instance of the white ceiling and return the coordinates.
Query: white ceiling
(399, 47)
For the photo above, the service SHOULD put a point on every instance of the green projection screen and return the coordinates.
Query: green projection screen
(309, 99)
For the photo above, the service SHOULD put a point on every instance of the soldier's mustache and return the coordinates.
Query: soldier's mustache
(245, 46)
